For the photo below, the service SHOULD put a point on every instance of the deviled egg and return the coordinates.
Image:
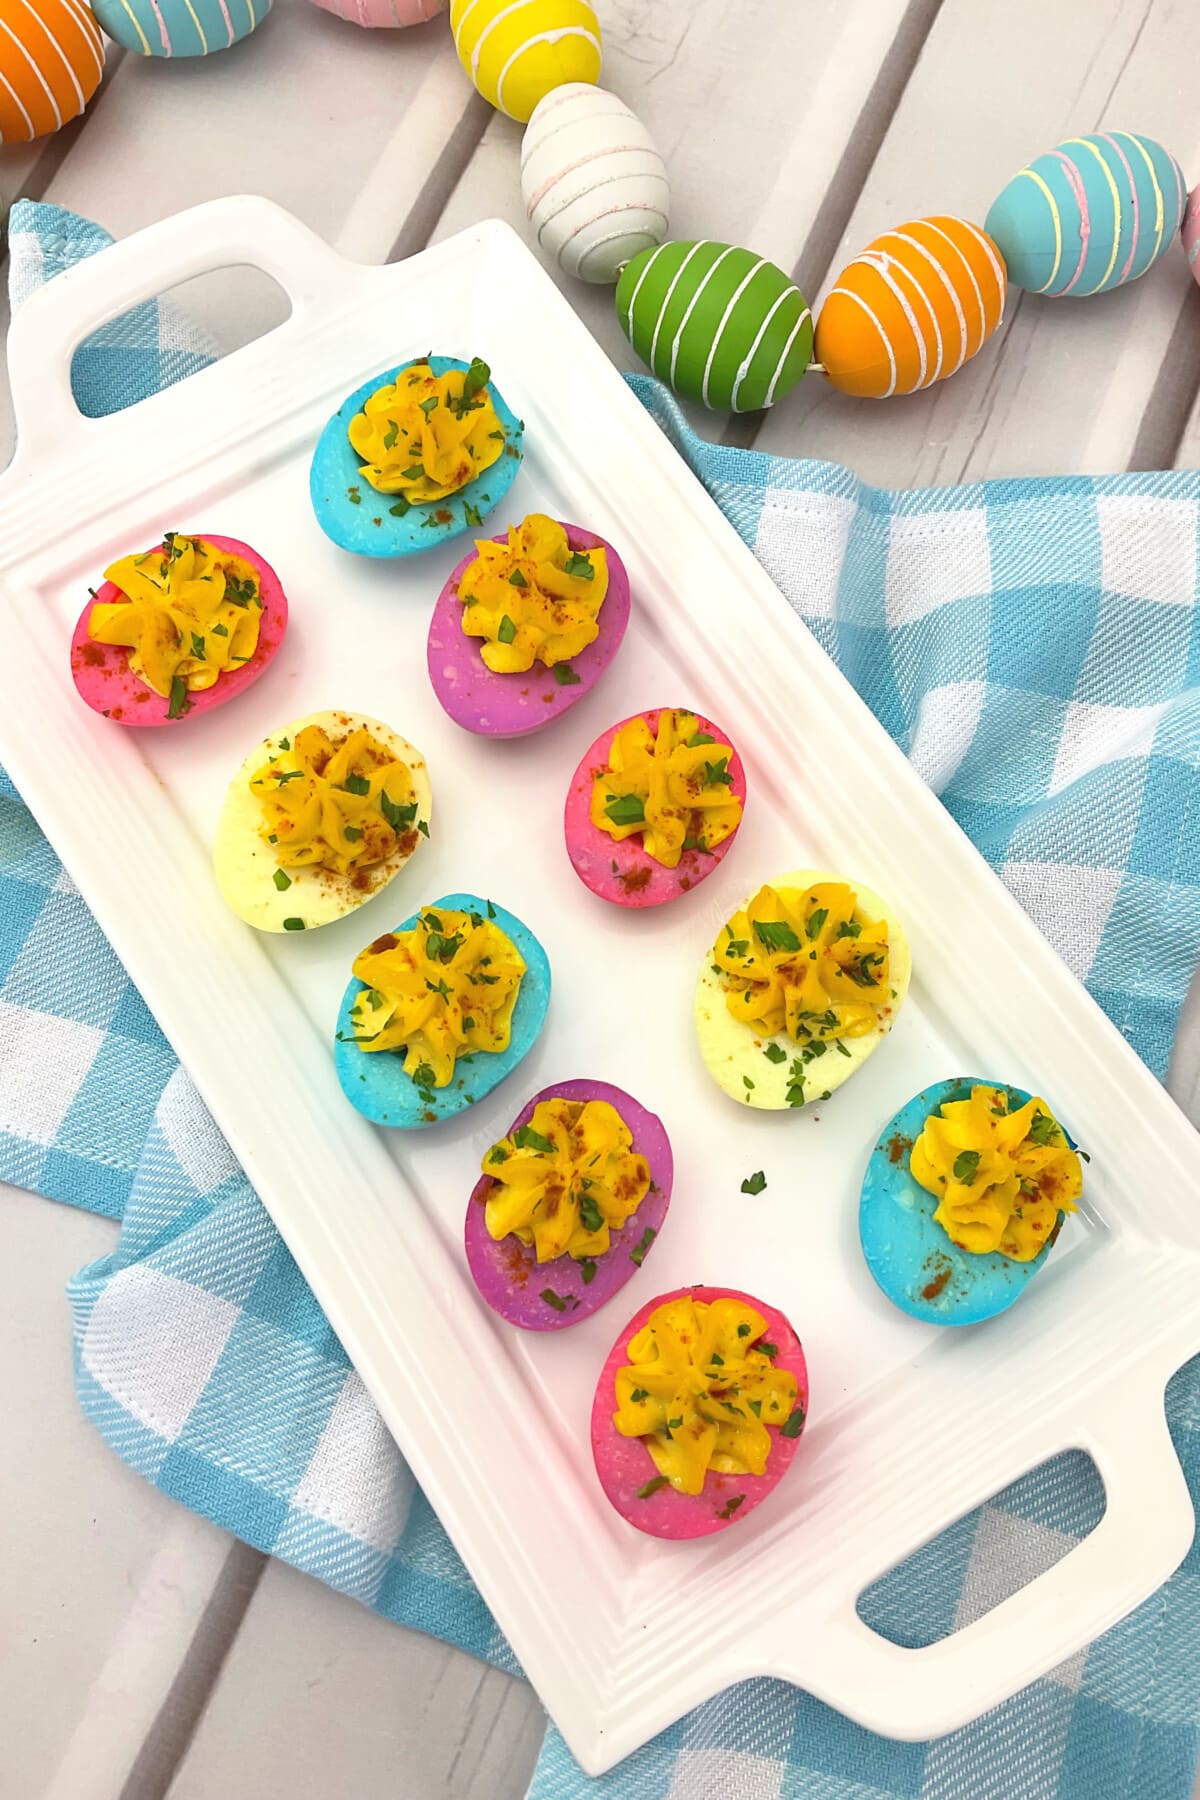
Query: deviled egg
(569, 1205)
(801, 985)
(964, 1194)
(416, 455)
(320, 817)
(526, 626)
(177, 630)
(439, 1011)
(698, 1411)
(653, 807)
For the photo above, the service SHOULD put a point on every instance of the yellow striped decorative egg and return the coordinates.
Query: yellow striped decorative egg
(515, 51)
(912, 308)
(51, 62)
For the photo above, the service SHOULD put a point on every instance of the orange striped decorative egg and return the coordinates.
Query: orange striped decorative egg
(50, 65)
(911, 308)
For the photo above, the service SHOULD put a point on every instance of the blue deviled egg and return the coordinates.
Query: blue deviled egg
(440, 1011)
(964, 1194)
(413, 457)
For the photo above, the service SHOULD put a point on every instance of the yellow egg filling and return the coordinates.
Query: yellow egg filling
(1001, 1178)
(700, 1389)
(424, 436)
(342, 804)
(443, 990)
(533, 599)
(673, 786)
(809, 964)
(566, 1179)
(189, 613)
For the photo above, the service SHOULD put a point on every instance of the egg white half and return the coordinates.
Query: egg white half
(734, 1053)
(245, 864)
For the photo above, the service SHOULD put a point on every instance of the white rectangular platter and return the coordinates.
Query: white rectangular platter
(910, 1427)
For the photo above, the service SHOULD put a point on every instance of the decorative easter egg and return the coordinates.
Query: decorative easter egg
(596, 189)
(515, 51)
(130, 657)
(179, 27)
(1191, 232)
(582, 1138)
(384, 12)
(51, 62)
(525, 607)
(1089, 215)
(714, 1341)
(998, 1149)
(484, 990)
(911, 308)
(719, 324)
(654, 807)
(393, 506)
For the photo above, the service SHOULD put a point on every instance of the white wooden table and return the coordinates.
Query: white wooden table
(144, 1653)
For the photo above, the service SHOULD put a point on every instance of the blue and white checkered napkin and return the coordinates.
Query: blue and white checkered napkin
(1035, 647)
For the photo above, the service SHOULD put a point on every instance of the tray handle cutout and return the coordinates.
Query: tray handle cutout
(240, 230)
(1146, 1531)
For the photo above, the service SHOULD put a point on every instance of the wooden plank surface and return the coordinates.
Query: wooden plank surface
(803, 131)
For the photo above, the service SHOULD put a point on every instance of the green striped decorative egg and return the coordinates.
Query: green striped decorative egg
(718, 324)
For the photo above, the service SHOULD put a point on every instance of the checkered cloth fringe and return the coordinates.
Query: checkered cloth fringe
(1035, 647)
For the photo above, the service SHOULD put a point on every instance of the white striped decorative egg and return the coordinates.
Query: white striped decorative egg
(1089, 215)
(387, 13)
(179, 27)
(595, 187)
(718, 324)
(51, 62)
(911, 308)
(515, 51)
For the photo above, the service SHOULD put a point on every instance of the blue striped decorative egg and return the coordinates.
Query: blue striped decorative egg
(179, 27)
(1090, 214)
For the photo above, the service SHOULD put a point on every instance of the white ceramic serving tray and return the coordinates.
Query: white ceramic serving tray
(910, 1426)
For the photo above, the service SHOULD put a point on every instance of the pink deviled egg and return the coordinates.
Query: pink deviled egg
(698, 1411)
(526, 626)
(569, 1205)
(654, 806)
(178, 629)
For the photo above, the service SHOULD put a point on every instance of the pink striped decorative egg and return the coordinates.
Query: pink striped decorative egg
(595, 187)
(389, 13)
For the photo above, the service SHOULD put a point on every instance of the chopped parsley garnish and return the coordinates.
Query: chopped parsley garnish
(695, 843)
(440, 948)
(753, 1184)
(282, 880)
(1041, 1129)
(351, 833)
(793, 1425)
(472, 514)
(392, 433)
(966, 1165)
(639, 1394)
(637, 1254)
(241, 592)
(587, 1269)
(293, 924)
(849, 928)
(398, 817)
(506, 631)
(356, 784)
(516, 579)
(399, 507)
(746, 1082)
(590, 1214)
(580, 566)
(475, 380)
(283, 776)
(414, 473)
(756, 1408)
(625, 809)
(743, 1329)
(423, 1076)
(717, 774)
(860, 972)
(354, 497)
(840, 1047)
(498, 1154)
(700, 737)
(526, 1138)
(491, 911)
(428, 406)
(198, 646)
(731, 1506)
(776, 934)
(652, 1487)
(565, 675)
(423, 828)
(553, 1299)
(737, 946)
(767, 1349)
(816, 920)
(775, 1053)
(179, 701)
